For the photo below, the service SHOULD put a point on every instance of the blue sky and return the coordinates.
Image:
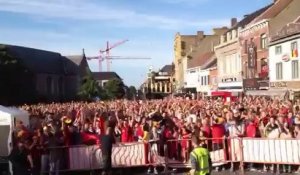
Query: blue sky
(67, 26)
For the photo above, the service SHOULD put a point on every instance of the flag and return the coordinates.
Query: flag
(295, 53)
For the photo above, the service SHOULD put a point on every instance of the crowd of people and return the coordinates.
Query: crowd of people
(77, 123)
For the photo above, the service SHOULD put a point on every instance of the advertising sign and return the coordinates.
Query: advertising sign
(252, 56)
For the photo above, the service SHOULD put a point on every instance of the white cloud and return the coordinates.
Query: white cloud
(86, 10)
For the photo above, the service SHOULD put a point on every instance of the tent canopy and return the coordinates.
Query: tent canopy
(270, 93)
(14, 112)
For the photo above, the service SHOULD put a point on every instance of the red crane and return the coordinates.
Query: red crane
(107, 54)
(103, 57)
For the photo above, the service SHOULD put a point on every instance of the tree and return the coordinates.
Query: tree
(115, 89)
(89, 88)
(131, 93)
(16, 81)
(5, 58)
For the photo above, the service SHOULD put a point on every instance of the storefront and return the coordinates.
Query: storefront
(293, 87)
(255, 84)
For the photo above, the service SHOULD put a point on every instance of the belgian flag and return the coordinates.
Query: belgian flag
(294, 53)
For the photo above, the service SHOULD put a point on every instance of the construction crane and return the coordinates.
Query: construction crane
(107, 54)
(109, 58)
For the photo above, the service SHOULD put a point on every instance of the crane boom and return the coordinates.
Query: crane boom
(118, 58)
(127, 58)
(108, 48)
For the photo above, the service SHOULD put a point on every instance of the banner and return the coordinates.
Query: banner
(123, 155)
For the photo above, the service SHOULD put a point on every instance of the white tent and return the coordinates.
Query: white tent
(8, 118)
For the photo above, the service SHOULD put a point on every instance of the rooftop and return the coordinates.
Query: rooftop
(105, 75)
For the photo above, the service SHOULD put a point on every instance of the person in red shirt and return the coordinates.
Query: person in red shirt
(185, 143)
(126, 132)
(139, 131)
(251, 129)
(206, 128)
(217, 132)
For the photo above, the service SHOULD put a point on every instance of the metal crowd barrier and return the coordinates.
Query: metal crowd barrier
(239, 151)
(89, 158)
(179, 152)
(173, 154)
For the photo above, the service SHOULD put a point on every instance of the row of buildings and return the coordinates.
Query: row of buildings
(256, 55)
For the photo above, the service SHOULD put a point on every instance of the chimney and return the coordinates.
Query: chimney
(220, 31)
(200, 35)
(233, 22)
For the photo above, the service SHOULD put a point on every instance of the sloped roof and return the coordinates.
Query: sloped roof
(287, 15)
(167, 68)
(274, 10)
(38, 61)
(200, 60)
(105, 75)
(77, 59)
(210, 62)
(72, 63)
(248, 18)
(288, 30)
(203, 51)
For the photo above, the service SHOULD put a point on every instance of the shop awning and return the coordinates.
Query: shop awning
(271, 93)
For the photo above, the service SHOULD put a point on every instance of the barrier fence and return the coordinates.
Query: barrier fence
(175, 153)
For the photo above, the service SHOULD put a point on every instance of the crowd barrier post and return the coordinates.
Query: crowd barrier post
(242, 156)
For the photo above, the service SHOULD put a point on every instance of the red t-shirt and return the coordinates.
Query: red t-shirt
(207, 131)
(251, 130)
(126, 134)
(218, 132)
(67, 136)
(184, 143)
(167, 134)
(140, 132)
(101, 125)
(89, 139)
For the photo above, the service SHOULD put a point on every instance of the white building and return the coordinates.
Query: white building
(229, 60)
(192, 78)
(284, 63)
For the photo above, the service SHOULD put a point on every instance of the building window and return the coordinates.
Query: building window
(225, 38)
(263, 41)
(295, 69)
(264, 68)
(278, 71)
(278, 50)
(202, 81)
(183, 46)
(208, 80)
(294, 49)
(246, 46)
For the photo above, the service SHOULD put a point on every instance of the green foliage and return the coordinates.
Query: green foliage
(16, 85)
(89, 88)
(115, 89)
(131, 92)
(5, 58)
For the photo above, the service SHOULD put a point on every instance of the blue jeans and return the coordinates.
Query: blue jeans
(44, 163)
(54, 167)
